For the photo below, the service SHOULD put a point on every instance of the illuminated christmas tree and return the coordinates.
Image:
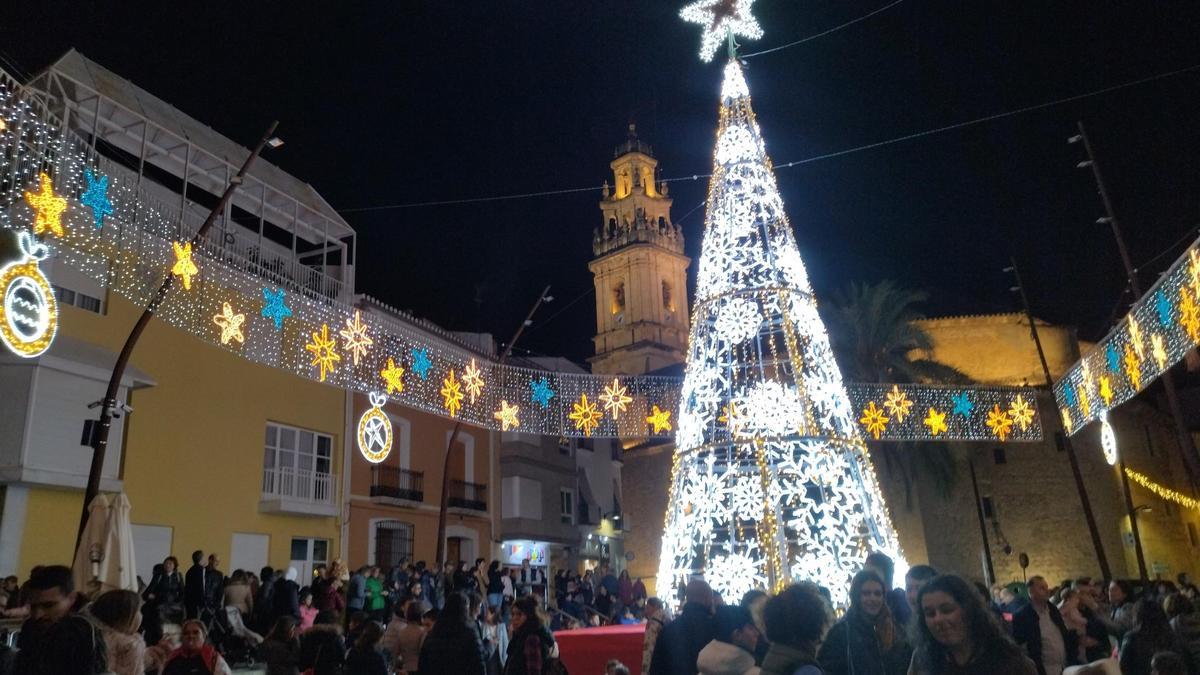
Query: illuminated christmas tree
(771, 481)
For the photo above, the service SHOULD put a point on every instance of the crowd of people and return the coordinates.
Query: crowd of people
(478, 620)
(488, 620)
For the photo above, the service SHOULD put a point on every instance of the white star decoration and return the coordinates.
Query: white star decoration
(720, 18)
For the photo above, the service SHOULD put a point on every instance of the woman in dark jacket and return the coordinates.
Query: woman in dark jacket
(1151, 634)
(286, 598)
(452, 645)
(366, 658)
(532, 643)
(866, 641)
(322, 648)
(955, 634)
(495, 587)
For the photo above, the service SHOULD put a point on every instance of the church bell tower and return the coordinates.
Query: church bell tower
(639, 268)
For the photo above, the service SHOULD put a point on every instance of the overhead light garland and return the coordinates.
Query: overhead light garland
(1162, 491)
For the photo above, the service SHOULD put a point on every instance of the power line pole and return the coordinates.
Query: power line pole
(1190, 457)
(109, 404)
(444, 508)
(1066, 440)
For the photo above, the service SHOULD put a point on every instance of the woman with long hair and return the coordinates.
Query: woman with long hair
(365, 657)
(452, 645)
(495, 587)
(865, 641)
(625, 589)
(955, 634)
(119, 616)
(281, 648)
(532, 643)
(194, 655)
(1151, 633)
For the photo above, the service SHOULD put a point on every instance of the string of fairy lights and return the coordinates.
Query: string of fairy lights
(90, 212)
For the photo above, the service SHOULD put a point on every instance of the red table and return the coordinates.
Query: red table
(586, 650)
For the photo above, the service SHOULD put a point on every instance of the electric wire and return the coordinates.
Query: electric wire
(807, 160)
(823, 33)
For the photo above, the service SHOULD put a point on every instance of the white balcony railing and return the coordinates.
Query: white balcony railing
(304, 486)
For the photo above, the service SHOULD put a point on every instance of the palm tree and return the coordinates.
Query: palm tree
(875, 339)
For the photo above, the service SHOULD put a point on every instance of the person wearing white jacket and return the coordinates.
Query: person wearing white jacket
(732, 650)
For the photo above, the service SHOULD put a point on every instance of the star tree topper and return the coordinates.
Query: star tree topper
(722, 19)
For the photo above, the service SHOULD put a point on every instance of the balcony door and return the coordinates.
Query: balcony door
(297, 463)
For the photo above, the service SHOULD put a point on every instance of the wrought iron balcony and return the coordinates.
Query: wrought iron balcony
(466, 495)
(395, 483)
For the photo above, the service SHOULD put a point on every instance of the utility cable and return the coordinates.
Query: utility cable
(808, 160)
(823, 33)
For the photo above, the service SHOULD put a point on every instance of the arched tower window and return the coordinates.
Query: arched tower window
(618, 299)
(668, 299)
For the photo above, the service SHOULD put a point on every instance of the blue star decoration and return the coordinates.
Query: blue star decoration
(1069, 394)
(275, 309)
(541, 392)
(421, 363)
(1114, 359)
(962, 404)
(1163, 305)
(96, 197)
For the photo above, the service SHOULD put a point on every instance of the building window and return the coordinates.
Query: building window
(297, 463)
(1060, 441)
(1193, 538)
(393, 543)
(668, 299)
(999, 455)
(618, 299)
(564, 446)
(66, 296)
(566, 506)
(989, 510)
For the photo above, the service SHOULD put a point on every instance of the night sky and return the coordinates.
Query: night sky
(404, 102)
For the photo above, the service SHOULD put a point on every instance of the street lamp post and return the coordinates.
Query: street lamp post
(1066, 440)
(109, 404)
(444, 508)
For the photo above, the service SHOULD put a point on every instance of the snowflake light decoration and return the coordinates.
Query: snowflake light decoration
(720, 18)
(324, 351)
(393, 377)
(274, 307)
(738, 320)
(96, 197)
(472, 380)
(355, 338)
(615, 399)
(452, 395)
(48, 206)
(999, 422)
(230, 324)
(184, 268)
(585, 415)
(540, 392)
(1021, 412)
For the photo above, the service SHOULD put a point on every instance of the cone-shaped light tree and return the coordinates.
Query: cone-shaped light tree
(771, 481)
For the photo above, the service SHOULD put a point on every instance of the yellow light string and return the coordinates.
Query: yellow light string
(771, 540)
(1162, 491)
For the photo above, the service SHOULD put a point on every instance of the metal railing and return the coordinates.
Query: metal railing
(310, 486)
(390, 481)
(466, 495)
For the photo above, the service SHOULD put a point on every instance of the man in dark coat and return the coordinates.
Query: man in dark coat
(680, 641)
(1040, 629)
(194, 586)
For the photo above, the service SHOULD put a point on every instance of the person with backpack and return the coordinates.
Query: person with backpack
(532, 650)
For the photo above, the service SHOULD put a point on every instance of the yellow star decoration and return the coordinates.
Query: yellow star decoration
(874, 420)
(897, 403)
(1189, 314)
(354, 337)
(660, 420)
(614, 399)
(472, 380)
(936, 422)
(1135, 336)
(452, 395)
(392, 375)
(1066, 418)
(184, 268)
(507, 415)
(1133, 368)
(585, 415)
(1085, 403)
(324, 352)
(1021, 412)
(231, 324)
(1159, 350)
(999, 422)
(1106, 391)
(49, 207)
